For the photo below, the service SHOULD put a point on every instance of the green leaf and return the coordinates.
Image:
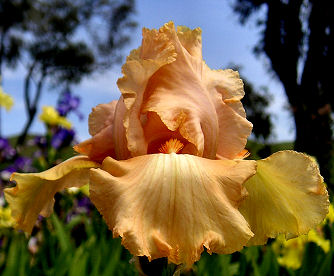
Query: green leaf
(17, 258)
(62, 235)
(326, 266)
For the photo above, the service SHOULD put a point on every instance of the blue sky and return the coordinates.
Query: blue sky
(224, 40)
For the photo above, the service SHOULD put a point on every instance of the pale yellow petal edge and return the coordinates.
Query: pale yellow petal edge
(287, 196)
(34, 192)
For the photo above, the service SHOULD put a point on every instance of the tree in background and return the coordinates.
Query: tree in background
(256, 101)
(297, 38)
(12, 17)
(62, 41)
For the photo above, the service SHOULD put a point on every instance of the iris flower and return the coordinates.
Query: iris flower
(51, 117)
(165, 162)
(290, 253)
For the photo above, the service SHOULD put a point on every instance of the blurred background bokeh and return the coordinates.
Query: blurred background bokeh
(60, 58)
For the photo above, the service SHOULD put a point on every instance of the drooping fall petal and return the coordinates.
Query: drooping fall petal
(34, 192)
(169, 205)
(286, 195)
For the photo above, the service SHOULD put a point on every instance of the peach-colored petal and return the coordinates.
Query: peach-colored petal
(191, 40)
(169, 205)
(287, 195)
(234, 129)
(34, 192)
(119, 132)
(156, 51)
(176, 93)
(99, 146)
(225, 82)
(156, 133)
(101, 116)
(195, 103)
(105, 125)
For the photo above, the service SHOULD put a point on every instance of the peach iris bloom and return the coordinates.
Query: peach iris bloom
(165, 167)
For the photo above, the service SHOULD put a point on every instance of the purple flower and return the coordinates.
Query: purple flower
(3, 143)
(9, 170)
(63, 137)
(84, 202)
(40, 141)
(83, 205)
(6, 150)
(23, 164)
(68, 103)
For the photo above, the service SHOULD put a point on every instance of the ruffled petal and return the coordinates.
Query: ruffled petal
(101, 116)
(99, 146)
(195, 103)
(169, 205)
(225, 82)
(176, 93)
(233, 132)
(34, 192)
(287, 195)
(226, 88)
(105, 125)
(155, 52)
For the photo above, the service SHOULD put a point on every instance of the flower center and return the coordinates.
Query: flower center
(172, 145)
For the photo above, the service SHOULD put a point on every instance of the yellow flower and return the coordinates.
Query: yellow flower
(316, 236)
(165, 167)
(330, 215)
(291, 252)
(6, 219)
(6, 100)
(51, 116)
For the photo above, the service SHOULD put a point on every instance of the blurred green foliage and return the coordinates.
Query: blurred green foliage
(62, 251)
(56, 250)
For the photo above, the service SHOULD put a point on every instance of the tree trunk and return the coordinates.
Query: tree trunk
(24, 133)
(30, 105)
(314, 136)
(313, 116)
(2, 50)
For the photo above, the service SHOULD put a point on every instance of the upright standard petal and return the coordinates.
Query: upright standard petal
(155, 52)
(167, 76)
(177, 94)
(119, 132)
(286, 195)
(34, 192)
(169, 205)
